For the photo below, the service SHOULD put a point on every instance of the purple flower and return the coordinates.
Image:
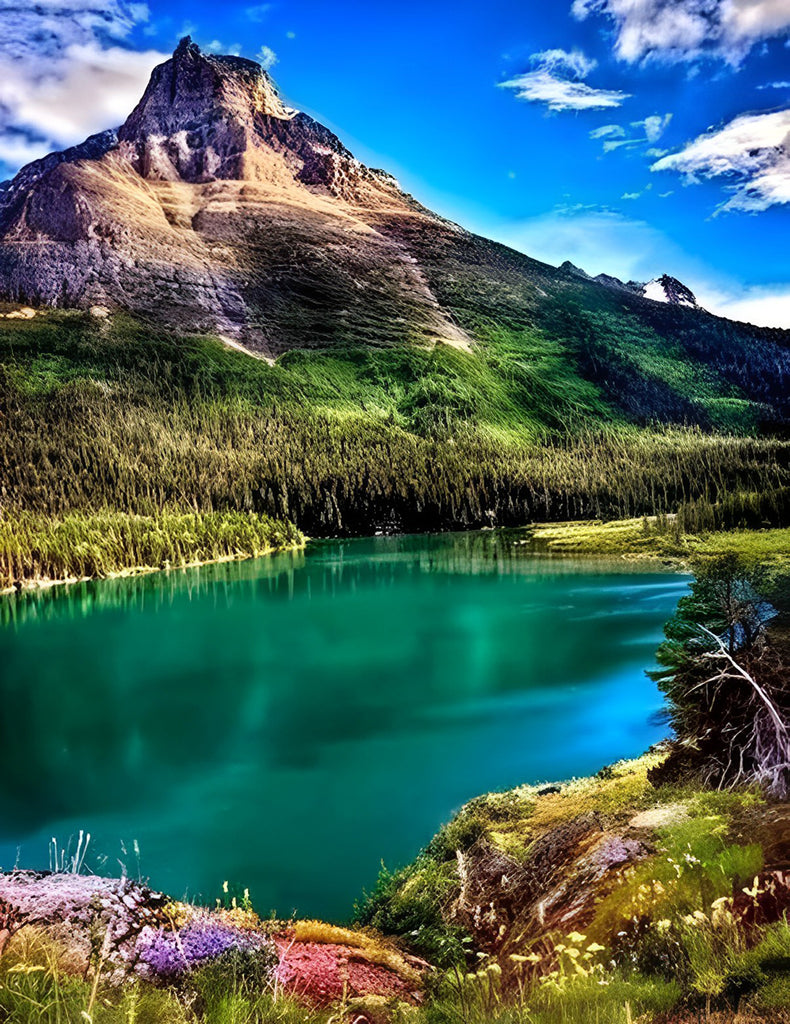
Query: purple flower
(169, 953)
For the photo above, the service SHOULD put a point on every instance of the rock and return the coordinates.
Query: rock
(321, 973)
(75, 909)
(141, 932)
(216, 208)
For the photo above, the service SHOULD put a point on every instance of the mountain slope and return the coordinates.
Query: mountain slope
(217, 209)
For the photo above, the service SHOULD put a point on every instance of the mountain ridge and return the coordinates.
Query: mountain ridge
(216, 209)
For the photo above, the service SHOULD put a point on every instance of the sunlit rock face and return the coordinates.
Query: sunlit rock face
(217, 208)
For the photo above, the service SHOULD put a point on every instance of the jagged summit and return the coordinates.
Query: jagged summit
(218, 208)
(669, 289)
(659, 289)
(192, 76)
(200, 117)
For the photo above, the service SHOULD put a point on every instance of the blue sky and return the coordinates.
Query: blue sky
(631, 136)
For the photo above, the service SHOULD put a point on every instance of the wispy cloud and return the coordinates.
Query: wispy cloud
(258, 11)
(600, 240)
(557, 80)
(678, 30)
(752, 153)
(64, 72)
(608, 131)
(649, 130)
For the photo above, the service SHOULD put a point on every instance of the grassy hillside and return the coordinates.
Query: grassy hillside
(115, 415)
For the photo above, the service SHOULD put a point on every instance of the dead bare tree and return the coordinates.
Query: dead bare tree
(757, 739)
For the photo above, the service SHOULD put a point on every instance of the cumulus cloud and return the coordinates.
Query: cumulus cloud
(64, 72)
(556, 80)
(687, 29)
(751, 153)
(654, 126)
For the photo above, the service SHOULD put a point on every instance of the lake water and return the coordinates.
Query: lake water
(289, 723)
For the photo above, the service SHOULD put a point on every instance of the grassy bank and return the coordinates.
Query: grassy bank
(606, 899)
(36, 548)
(661, 537)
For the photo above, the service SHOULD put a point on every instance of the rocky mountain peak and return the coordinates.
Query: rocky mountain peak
(669, 289)
(200, 115)
(661, 289)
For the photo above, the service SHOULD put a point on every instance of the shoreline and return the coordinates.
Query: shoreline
(46, 583)
(632, 540)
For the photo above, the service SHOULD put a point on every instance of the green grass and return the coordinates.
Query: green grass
(652, 538)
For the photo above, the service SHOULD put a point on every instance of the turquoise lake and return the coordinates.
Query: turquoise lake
(289, 723)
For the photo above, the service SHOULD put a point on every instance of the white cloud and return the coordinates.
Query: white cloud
(764, 305)
(608, 131)
(267, 58)
(64, 74)
(95, 89)
(752, 152)
(654, 126)
(687, 29)
(45, 28)
(570, 62)
(556, 81)
(17, 149)
(615, 135)
(599, 240)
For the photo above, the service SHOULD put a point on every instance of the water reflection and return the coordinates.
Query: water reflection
(239, 717)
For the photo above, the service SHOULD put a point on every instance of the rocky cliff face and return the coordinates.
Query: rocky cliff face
(217, 208)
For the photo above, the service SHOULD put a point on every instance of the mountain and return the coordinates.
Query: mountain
(217, 209)
(659, 289)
